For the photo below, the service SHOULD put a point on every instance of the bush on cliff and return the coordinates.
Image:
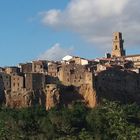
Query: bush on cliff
(110, 120)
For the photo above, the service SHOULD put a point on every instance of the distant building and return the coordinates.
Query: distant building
(17, 83)
(118, 84)
(34, 81)
(53, 69)
(74, 74)
(39, 66)
(5, 81)
(25, 68)
(12, 70)
(118, 49)
(2, 69)
(135, 59)
(75, 59)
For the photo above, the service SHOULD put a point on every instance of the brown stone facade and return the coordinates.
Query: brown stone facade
(50, 84)
(121, 85)
(74, 74)
(118, 49)
(17, 83)
(34, 81)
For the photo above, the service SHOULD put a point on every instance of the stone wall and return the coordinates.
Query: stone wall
(74, 74)
(118, 85)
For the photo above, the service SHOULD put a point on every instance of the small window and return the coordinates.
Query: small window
(14, 84)
(116, 37)
(116, 47)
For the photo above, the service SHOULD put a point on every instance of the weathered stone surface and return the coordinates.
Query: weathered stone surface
(19, 99)
(115, 84)
(89, 95)
(84, 93)
(52, 96)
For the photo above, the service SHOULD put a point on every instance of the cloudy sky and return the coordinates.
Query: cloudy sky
(50, 29)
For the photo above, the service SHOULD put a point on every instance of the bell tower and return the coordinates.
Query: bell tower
(118, 50)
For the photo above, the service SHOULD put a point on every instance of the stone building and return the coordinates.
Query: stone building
(75, 59)
(39, 66)
(118, 49)
(79, 60)
(135, 59)
(34, 81)
(74, 74)
(25, 67)
(12, 70)
(1, 83)
(5, 81)
(2, 69)
(53, 69)
(116, 84)
(17, 83)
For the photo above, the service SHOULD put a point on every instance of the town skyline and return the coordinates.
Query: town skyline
(32, 30)
(20, 85)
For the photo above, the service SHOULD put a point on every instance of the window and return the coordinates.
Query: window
(116, 47)
(116, 37)
(14, 84)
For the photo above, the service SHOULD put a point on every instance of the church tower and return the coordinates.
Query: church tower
(118, 50)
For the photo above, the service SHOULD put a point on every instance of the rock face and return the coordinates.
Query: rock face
(52, 96)
(24, 98)
(19, 99)
(84, 93)
(89, 95)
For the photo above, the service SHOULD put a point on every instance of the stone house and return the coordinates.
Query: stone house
(74, 74)
(53, 69)
(75, 59)
(25, 68)
(2, 69)
(5, 81)
(34, 81)
(12, 70)
(39, 66)
(17, 83)
(117, 84)
(135, 59)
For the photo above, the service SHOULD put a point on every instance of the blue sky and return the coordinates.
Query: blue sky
(31, 28)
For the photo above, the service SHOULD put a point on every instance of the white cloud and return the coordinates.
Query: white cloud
(96, 20)
(56, 52)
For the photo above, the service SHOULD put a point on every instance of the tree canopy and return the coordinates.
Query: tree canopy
(109, 120)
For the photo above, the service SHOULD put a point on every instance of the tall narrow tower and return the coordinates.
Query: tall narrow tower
(118, 49)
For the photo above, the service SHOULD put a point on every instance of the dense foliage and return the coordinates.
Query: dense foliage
(108, 121)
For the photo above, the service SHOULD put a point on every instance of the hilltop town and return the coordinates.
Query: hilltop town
(49, 83)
